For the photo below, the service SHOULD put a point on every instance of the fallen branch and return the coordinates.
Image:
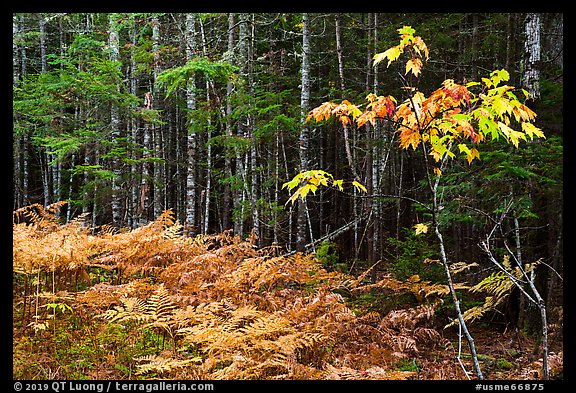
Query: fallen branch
(330, 235)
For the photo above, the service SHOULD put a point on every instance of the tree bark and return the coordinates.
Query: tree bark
(134, 133)
(531, 80)
(191, 143)
(114, 44)
(303, 138)
(159, 166)
(227, 193)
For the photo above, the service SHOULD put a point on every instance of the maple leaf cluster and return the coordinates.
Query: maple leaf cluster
(453, 116)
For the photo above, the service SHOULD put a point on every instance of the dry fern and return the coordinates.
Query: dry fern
(498, 287)
(232, 311)
(156, 312)
(162, 365)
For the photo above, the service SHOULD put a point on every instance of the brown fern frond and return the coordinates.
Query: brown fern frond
(132, 309)
(372, 373)
(161, 365)
(154, 312)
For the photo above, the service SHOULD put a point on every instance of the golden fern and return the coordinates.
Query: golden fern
(239, 312)
(155, 312)
(498, 287)
(161, 365)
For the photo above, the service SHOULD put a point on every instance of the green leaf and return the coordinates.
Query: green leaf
(406, 30)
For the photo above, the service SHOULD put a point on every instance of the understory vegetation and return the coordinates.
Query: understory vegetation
(151, 302)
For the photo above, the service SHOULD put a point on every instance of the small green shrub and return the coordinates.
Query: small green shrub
(329, 255)
(412, 251)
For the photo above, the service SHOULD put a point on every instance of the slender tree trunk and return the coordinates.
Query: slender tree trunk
(96, 189)
(342, 80)
(134, 134)
(159, 166)
(531, 80)
(474, 47)
(43, 61)
(18, 138)
(303, 139)
(15, 51)
(444, 260)
(375, 205)
(44, 156)
(114, 47)
(191, 132)
(254, 184)
(145, 187)
(227, 194)
(69, 212)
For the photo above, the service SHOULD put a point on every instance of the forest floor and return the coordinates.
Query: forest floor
(149, 303)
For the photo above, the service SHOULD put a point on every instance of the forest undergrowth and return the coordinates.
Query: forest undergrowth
(98, 303)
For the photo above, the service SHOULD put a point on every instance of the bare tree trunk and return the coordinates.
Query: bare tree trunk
(191, 143)
(537, 298)
(444, 260)
(95, 191)
(159, 166)
(134, 134)
(227, 197)
(44, 156)
(43, 61)
(15, 51)
(254, 184)
(375, 154)
(115, 126)
(18, 138)
(531, 80)
(304, 109)
(342, 79)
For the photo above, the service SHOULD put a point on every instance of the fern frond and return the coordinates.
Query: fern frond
(160, 364)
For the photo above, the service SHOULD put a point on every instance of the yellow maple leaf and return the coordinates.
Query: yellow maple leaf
(414, 65)
(421, 228)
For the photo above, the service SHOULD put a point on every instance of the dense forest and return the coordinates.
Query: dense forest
(248, 148)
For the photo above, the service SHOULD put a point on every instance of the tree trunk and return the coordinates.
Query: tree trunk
(254, 184)
(114, 47)
(531, 80)
(134, 133)
(191, 132)
(444, 260)
(227, 193)
(159, 166)
(43, 62)
(303, 139)
(377, 160)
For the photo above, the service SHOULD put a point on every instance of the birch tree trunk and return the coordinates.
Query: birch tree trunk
(531, 80)
(44, 156)
(303, 138)
(254, 184)
(243, 124)
(376, 153)
(114, 48)
(18, 139)
(191, 135)
(208, 189)
(134, 134)
(43, 62)
(159, 166)
(227, 194)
